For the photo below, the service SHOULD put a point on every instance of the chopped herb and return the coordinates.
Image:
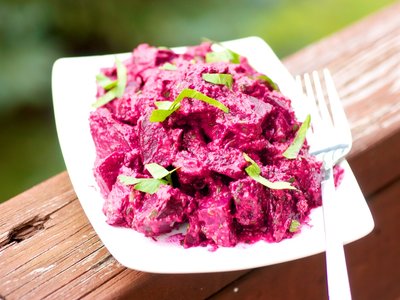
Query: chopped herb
(159, 172)
(153, 214)
(115, 88)
(105, 82)
(166, 93)
(164, 105)
(149, 185)
(107, 97)
(226, 55)
(269, 81)
(168, 66)
(254, 172)
(293, 150)
(122, 78)
(166, 108)
(294, 226)
(221, 79)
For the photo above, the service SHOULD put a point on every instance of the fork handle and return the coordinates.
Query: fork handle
(337, 276)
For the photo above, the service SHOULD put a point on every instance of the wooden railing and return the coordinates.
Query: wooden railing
(49, 250)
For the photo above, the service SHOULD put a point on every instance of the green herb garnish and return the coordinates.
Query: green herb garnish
(254, 172)
(225, 55)
(166, 108)
(114, 88)
(149, 185)
(221, 79)
(294, 226)
(168, 66)
(293, 150)
(105, 82)
(159, 172)
(269, 81)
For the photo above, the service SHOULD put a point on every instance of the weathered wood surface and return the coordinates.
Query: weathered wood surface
(49, 250)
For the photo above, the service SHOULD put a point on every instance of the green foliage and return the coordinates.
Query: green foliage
(29, 153)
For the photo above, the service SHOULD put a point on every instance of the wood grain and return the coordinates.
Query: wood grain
(48, 250)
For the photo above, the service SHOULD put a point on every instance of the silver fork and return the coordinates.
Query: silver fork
(330, 141)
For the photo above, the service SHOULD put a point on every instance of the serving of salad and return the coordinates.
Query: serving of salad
(201, 141)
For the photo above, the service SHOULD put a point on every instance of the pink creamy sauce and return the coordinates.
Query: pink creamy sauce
(212, 196)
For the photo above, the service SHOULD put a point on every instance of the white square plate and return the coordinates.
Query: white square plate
(74, 89)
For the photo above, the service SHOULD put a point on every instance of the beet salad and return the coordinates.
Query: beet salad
(203, 142)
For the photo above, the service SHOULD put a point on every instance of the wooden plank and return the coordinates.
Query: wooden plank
(162, 286)
(373, 263)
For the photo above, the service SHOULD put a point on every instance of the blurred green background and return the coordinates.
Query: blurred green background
(34, 34)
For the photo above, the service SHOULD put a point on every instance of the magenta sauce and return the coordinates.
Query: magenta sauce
(212, 196)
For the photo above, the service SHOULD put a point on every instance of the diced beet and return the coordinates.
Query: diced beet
(161, 212)
(280, 124)
(110, 135)
(214, 215)
(245, 121)
(193, 140)
(122, 109)
(190, 168)
(117, 206)
(145, 56)
(155, 143)
(107, 170)
(228, 162)
(250, 201)
(280, 214)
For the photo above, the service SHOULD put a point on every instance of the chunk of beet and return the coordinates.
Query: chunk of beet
(228, 162)
(110, 135)
(161, 212)
(190, 168)
(117, 206)
(250, 201)
(106, 171)
(214, 215)
(156, 144)
(246, 117)
(281, 205)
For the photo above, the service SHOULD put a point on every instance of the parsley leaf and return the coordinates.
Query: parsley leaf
(164, 110)
(254, 172)
(221, 79)
(226, 55)
(149, 185)
(157, 171)
(115, 88)
(269, 81)
(168, 66)
(122, 78)
(294, 226)
(293, 150)
(105, 82)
